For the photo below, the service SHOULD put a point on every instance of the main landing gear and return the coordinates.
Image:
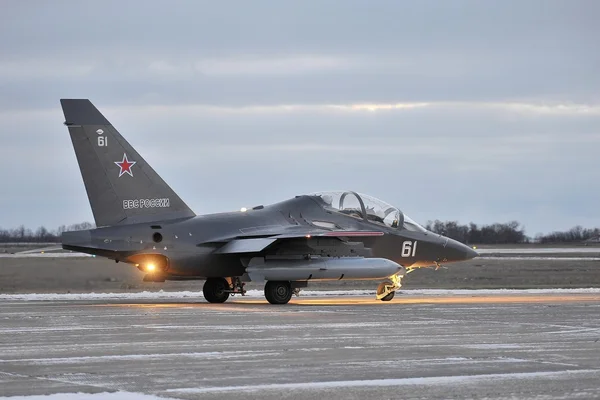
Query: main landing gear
(217, 290)
(278, 292)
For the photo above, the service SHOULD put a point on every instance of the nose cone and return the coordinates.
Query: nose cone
(471, 253)
(456, 251)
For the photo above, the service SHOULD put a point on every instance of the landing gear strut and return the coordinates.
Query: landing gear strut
(387, 289)
(383, 288)
(237, 286)
(216, 290)
(278, 292)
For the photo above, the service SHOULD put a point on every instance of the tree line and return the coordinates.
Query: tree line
(499, 233)
(511, 232)
(22, 234)
(573, 235)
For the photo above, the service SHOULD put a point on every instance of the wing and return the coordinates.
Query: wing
(300, 241)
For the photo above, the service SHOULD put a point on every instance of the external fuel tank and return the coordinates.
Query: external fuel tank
(321, 268)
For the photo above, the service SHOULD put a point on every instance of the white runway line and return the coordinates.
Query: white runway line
(36, 253)
(44, 255)
(536, 258)
(259, 294)
(433, 380)
(143, 357)
(539, 250)
(88, 396)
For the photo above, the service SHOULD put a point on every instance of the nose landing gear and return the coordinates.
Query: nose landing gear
(387, 289)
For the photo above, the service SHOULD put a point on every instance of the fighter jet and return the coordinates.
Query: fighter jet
(322, 236)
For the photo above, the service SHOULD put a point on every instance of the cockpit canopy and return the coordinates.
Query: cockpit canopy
(367, 207)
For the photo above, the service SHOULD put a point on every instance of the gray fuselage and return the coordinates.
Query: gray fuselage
(191, 245)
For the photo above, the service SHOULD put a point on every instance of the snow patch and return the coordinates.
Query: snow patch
(305, 293)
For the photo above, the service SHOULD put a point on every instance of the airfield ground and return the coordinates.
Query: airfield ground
(493, 344)
(509, 268)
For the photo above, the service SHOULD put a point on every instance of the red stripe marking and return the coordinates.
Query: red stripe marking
(353, 233)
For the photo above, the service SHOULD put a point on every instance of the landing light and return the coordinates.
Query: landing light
(150, 267)
(244, 209)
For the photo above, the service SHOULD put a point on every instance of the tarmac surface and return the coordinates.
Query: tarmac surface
(490, 345)
(87, 274)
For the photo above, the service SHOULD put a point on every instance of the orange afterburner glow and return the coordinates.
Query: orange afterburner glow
(152, 263)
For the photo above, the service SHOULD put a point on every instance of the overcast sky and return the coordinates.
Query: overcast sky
(483, 111)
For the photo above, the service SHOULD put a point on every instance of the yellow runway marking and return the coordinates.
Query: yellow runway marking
(458, 299)
(455, 299)
(239, 303)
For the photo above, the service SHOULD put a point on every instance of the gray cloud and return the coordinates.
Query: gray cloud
(469, 110)
(244, 53)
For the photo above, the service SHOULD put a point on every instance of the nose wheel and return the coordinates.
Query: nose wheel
(382, 289)
(387, 289)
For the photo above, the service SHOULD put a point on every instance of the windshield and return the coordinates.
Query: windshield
(346, 202)
(411, 225)
(367, 207)
(381, 212)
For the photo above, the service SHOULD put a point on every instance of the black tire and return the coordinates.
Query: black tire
(381, 288)
(388, 297)
(278, 292)
(215, 290)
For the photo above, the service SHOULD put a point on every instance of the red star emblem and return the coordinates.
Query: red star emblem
(125, 166)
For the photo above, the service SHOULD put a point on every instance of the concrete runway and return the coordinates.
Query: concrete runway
(494, 346)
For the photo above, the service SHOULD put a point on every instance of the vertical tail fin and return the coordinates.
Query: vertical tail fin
(121, 186)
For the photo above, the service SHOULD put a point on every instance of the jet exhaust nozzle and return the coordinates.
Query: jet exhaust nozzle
(150, 263)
